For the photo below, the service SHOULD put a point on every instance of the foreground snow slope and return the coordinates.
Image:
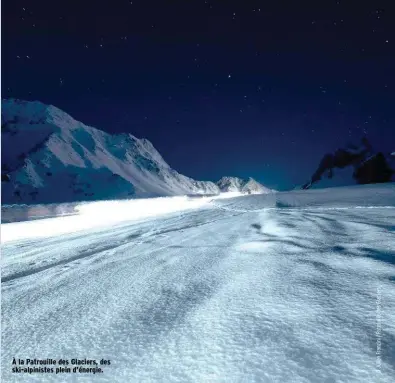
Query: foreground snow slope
(282, 287)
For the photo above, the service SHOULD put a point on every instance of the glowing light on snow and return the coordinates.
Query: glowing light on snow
(139, 208)
(98, 214)
(228, 195)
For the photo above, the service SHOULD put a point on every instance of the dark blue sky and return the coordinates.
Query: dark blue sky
(243, 88)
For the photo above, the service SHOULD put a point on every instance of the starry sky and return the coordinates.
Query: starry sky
(240, 88)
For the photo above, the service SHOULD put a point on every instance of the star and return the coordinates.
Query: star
(229, 75)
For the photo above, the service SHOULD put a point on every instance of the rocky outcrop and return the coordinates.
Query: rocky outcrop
(366, 165)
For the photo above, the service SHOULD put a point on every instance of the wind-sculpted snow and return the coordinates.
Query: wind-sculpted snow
(238, 290)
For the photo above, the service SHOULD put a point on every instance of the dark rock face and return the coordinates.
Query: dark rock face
(374, 170)
(5, 178)
(368, 167)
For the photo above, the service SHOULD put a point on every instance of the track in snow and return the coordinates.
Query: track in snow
(238, 293)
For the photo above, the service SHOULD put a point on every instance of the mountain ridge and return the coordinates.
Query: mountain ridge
(50, 157)
(237, 184)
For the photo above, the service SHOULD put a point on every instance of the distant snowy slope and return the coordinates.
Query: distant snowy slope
(253, 187)
(47, 156)
(236, 184)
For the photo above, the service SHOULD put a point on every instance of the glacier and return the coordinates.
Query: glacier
(290, 286)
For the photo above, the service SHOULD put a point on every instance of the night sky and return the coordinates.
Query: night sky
(241, 88)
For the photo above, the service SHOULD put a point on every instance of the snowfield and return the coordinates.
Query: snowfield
(283, 287)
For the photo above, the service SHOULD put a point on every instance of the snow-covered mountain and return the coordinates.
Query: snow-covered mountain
(47, 156)
(230, 184)
(353, 165)
(236, 184)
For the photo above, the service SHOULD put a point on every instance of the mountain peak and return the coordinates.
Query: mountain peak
(35, 113)
(236, 184)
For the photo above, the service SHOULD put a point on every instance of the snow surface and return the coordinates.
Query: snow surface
(282, 287)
